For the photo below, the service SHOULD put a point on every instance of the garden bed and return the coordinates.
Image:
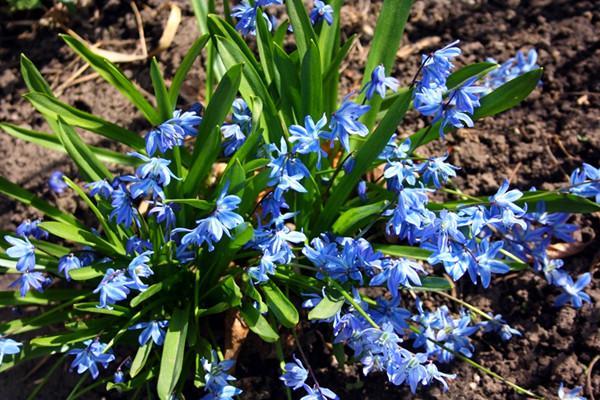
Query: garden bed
(536, 144)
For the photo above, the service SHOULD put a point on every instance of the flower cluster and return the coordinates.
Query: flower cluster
(216, 379)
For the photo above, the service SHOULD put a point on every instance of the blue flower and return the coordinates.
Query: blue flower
(505, 198)
(152, 176)
(435, 170)
(154, 330)
(246, 14)
(430, 101)
(8, 346)
(67, 263)
(138, 268)
(286, 170)
(114, 287)
(119, 377)
(123, 210)
(294, 374)
(585, 182)
(511, 68)
(101, 188)
(379, 83)
(455, 118)
(497, 324)
(437, 65)
(172, 132)
(165, 214)
(94, 353)
(23, 250)
(344, 122)
(321, 11)
(318, 393)
(234, 138)
(485, 263)
(398, 273)
(573, 291)
(136, 245)
(56, 182)
(570, 394)
(31, 228)
(466, 96)
(217, 379)
(212, 228)
(307, 138)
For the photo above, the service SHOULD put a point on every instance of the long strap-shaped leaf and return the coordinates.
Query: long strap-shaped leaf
(52, 142)
(185, 66)
(89, 165)
(24, 196)
(365, 155)
(53, 108)
(303, 30)
(173, 353)
(388, 34)
(207, 147)
(113, 75)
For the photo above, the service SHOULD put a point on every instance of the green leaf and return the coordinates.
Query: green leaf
(458, 77)
(92, 307)
(139, 361)
(403, 251)
(508, 95)
(312, 83)
(185, 66)
(11, 298)
(63, 339)
(258, 324)
(52, 142)
(53, 108)
(303, 30)
(265, 49)
(196, 203)
(89, 166)
(87, 273)
(173, 352)
(163, 102)
(386, 40)
(326, 308)
(33, 78)
(365, 155)
(281, 307)
(115, 77)
(358, 217)
(108, 230)
(434, 284)
(15, 192)
(79, 235)
(208, 141)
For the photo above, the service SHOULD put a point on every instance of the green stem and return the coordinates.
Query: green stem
(77, 386)
(353, 302)
(469, 306)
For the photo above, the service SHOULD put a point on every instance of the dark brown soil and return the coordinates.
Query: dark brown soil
(536, 144)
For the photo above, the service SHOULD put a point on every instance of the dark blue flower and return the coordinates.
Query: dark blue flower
(573, 291)
(101, 188)
(68, 263)
(123, 211)
(217, 379)
(135, 245)
(499, 325)
(172, 132)
(154, 330)
(294, 374)
(321, 11)
(165, 214)
(114, 287)
(88, 358)
(31, 228)
(344, 122)
(307, 138)
(56, 182)
(379, 83)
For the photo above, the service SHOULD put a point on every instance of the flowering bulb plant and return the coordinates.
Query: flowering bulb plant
(276, 201)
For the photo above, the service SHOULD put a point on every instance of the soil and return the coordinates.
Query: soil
(536, 144)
